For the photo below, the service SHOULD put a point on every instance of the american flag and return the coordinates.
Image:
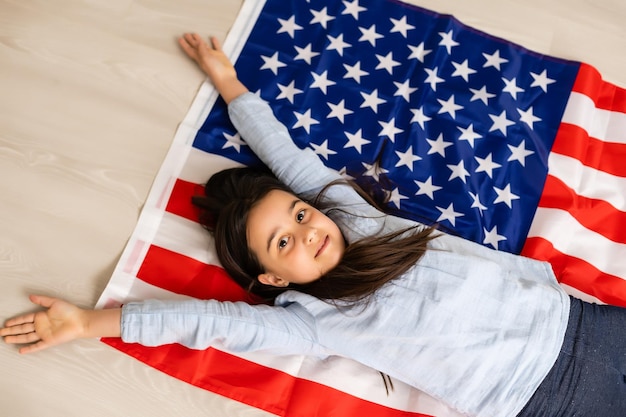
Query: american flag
(511, 149)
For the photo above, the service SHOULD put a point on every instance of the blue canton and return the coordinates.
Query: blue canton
(453, 124)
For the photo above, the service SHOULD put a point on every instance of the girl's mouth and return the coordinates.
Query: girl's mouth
(322, 247)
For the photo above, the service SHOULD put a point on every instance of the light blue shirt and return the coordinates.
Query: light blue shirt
(475, 328)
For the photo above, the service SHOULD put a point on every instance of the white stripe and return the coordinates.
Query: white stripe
(201, 165)
(600, 124)
(124, 288)
(571, 238)
(588, 182)
(187, 238)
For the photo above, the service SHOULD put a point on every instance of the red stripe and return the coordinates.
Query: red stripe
(578, 273)
(183, 275)
(574, 141)
(605, 95)
(180, 199)
(250, 383)
(593, 214)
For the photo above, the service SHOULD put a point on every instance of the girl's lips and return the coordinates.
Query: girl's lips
(322, 247)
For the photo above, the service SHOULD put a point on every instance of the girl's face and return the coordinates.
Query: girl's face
(294, 242)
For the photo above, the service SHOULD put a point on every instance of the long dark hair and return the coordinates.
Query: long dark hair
(367, 264)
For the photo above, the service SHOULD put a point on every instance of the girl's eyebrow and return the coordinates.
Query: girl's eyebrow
(289, 211)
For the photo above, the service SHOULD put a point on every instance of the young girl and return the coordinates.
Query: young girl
(489, 333)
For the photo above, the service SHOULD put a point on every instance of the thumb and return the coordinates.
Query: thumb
(42, 300)
(35, 347)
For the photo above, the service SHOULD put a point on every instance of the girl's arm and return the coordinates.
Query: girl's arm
(300, 169)
(61, 322)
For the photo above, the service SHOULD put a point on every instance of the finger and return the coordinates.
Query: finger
(15, 321)
(18, 329)
(216, 44)
(42, 300)
(35, 347)
(22, 339)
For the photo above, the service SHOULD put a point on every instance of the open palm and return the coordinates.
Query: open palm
(59, 323)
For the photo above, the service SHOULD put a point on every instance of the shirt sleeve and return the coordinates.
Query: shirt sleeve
(234, 326)
(300, 169)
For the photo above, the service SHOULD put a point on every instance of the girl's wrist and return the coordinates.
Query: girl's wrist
(101, 323)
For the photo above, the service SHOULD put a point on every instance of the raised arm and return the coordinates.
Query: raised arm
(269, 139)
(60, 322)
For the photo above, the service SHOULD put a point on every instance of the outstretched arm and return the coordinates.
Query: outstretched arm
(213, 61)
(61, 322)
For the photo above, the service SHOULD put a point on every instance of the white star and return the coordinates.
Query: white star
(419, 117)
(354, 71)
(353, 8)
(371, 100)
(447, 41)
(511, 87)
(370, 35)
(481, 95)
(519, 153)
(449, 106)
(356, 140)
(288, 91)
(386, 62)
(432, 78)
(321, 81)
(427, 188)
(272, 63)
(337, 44)
(401, 26)
(494, 60)
(322, 150)
(374, 171)
(338, 110)
(233, 141)
(476, 202)
(448, 214)
(404, 90)
(389, 129)
(500, 122)
(458, 171)
(486, 165)
(505, 196)
(305, 53)
(418, 52)
(528, 117)
(395, 197)
(541, 80)
(438, 146)
(304, 120)
(492, 237)
(462, 70)
(321, 17)
(468, 134)
(407, 158)
(289, 26)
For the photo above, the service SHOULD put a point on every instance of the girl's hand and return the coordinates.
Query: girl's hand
(213, 61)
(60, 323)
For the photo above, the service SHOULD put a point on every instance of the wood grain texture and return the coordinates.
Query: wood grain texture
(91, 93)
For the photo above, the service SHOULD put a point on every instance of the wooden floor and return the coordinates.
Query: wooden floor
(91, 93)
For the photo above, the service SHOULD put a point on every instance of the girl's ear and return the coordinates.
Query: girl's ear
(273, 280)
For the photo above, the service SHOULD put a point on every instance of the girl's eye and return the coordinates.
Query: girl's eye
(300, 216)
(282, 242)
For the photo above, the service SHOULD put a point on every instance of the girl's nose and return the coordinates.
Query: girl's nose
(311, 236)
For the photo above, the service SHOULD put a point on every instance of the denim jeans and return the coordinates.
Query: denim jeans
(589, 376)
